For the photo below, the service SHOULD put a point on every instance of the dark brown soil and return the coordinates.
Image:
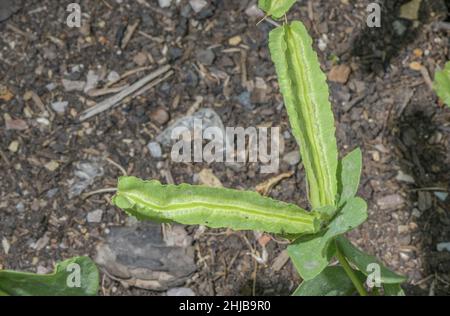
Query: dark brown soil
(385, 107)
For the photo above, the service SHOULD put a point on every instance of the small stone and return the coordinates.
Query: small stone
(424, 201)
(164, 3)
(443, 246)
(206, 57)
(51, 166)
(72, 85)
(180, 291)
(95, 216)
(322, 44)
(60, 106)
(198, 5)
(43, 121)
(261, 92)
(140, 59)
(410, 10)
(155, 149)
(160, 116)
(339, 74)
(254, 11)
(391, 202)
(441, 195)
(376, 156)
(14, 146)
(292, 158)
(175, 53)
(403, 177)
(91, 81)
(235, 40)
(416, 213)
(113, 76)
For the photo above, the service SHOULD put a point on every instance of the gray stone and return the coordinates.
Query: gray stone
(292, 158)
(73, 85)
(155, 149)
(95, 216)
(206, 57)
(391, 202)
(164, 3)
(425, 201)
(8, 8)
(60, 106)
(140, 257)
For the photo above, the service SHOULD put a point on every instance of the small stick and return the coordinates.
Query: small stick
(153, 83)
(104, 91)
(152, 38)
(129, 34)
(101, 191)
(114, 100)
(126, 75)
(426, 77)
(115, 164)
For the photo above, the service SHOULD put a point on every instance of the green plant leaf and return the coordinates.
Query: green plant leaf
(305, 92)
(442, 84)
(349, 174)
(332, 281)
(212, 207)
(311, 254)
(362, 261)
(62, 282)
(276, 8)
(393, 290)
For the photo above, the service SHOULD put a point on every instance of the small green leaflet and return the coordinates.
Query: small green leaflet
(332, 281)
(276, 8)
(212, 207)
(442, 84)
(305, 92)
(311, 254)
(363, 261)
(349, 174)
(393, 290)
(74, 277)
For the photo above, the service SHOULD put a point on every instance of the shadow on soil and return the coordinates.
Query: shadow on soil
(375, 47)
(420, 140)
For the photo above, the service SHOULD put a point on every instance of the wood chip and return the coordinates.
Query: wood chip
(339, 74)
(265, 187)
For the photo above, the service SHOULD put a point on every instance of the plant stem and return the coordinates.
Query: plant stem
(351, 274)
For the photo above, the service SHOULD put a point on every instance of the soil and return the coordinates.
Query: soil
(385, 107)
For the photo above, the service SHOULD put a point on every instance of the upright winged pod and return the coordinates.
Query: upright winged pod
(305, 92)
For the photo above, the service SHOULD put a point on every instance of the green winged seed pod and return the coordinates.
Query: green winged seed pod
(305, 92)
(212, 207)
(276, 8)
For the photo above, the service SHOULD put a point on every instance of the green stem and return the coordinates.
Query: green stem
(351, 274)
